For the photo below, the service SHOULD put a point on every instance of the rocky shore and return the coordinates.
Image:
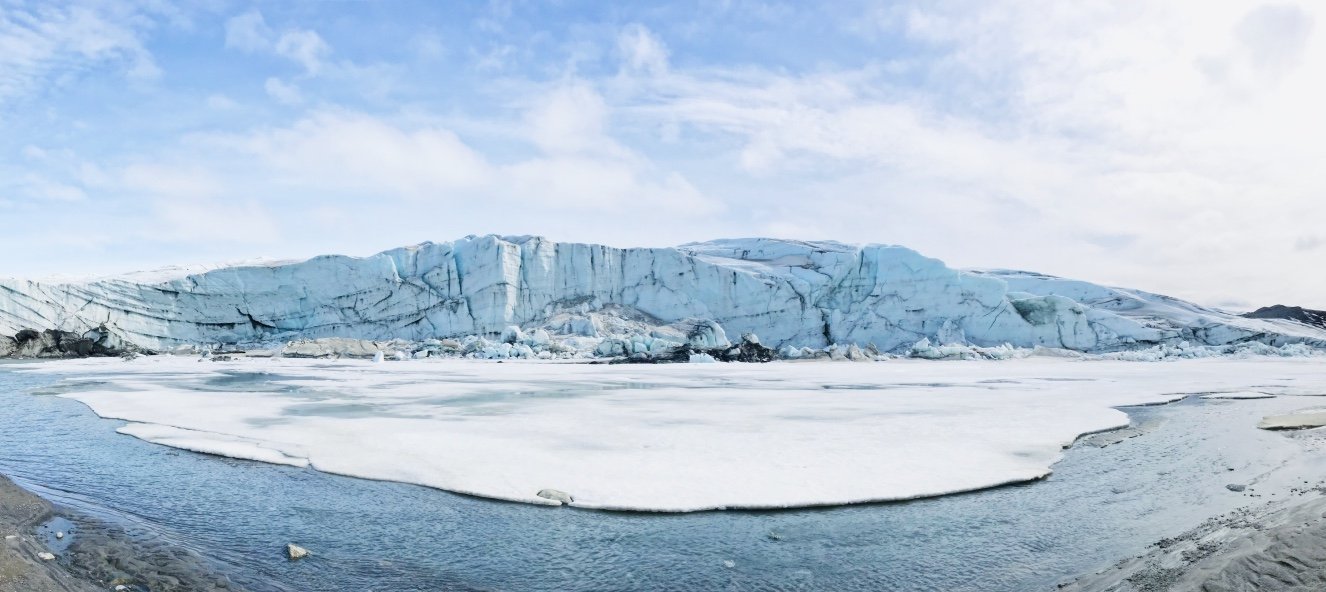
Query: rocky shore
(100, 557)
(21, 565)
(1279, 546)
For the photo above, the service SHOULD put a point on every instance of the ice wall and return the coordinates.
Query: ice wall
(787, 292)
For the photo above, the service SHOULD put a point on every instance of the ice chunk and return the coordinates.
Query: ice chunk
(512, 334)
(1239, 395)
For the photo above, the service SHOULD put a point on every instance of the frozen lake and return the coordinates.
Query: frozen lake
(1099, 504)
(673, 437)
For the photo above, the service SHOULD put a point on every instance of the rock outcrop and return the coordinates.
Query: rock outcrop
(1315, 318)
(54, 343)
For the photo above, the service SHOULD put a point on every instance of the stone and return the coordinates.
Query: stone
(57, 343)
(1236, 487)
(45, 556)
(556, 495)
(295, 552)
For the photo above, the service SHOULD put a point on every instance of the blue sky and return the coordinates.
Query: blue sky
(1172, 146)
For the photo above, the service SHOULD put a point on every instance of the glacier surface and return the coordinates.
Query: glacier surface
(670, 437)
(612, 301)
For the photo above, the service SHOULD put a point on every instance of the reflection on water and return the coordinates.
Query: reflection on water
(1102, 503)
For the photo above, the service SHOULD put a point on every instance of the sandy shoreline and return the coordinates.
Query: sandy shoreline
(20, 568)
(99, 557)
(1278, 546)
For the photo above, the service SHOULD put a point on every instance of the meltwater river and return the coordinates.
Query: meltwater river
(1101, 504)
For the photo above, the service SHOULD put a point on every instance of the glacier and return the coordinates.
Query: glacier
(528, 296)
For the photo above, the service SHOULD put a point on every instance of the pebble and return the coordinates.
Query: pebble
(10, 537)
(59, 535)
(1236, 487)
(44, 556)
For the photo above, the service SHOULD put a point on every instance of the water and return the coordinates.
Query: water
(1100, 505)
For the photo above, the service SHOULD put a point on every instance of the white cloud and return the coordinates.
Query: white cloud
(429, 46)
(353, 150)
(1174, 146)
(494, 58)
(175, 182)
(570, 119)
(579, 164)
(250, 33)
(189, 203)
(303, 47)
(211, 220)
(641, 50)
(220, 102)
(286, 94)
(39, 187)
(44, 45)
(1039, 128)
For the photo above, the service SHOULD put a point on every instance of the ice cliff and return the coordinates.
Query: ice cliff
(791, 294)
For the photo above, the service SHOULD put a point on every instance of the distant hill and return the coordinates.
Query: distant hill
(1316, 318)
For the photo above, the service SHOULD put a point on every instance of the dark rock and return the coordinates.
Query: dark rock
(53, 343)
(1316, 318)
(556, 495)
(1236, 487)
(748, 351)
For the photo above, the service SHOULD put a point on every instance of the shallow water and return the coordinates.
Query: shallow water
(1100, 504)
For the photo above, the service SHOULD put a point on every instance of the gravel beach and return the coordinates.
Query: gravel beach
(98, 557)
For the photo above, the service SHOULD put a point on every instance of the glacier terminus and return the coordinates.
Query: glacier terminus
(525, 296)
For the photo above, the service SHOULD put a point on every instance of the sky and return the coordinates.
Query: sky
(1177, 147)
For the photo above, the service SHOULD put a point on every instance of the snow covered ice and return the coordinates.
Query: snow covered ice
(678, 437)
